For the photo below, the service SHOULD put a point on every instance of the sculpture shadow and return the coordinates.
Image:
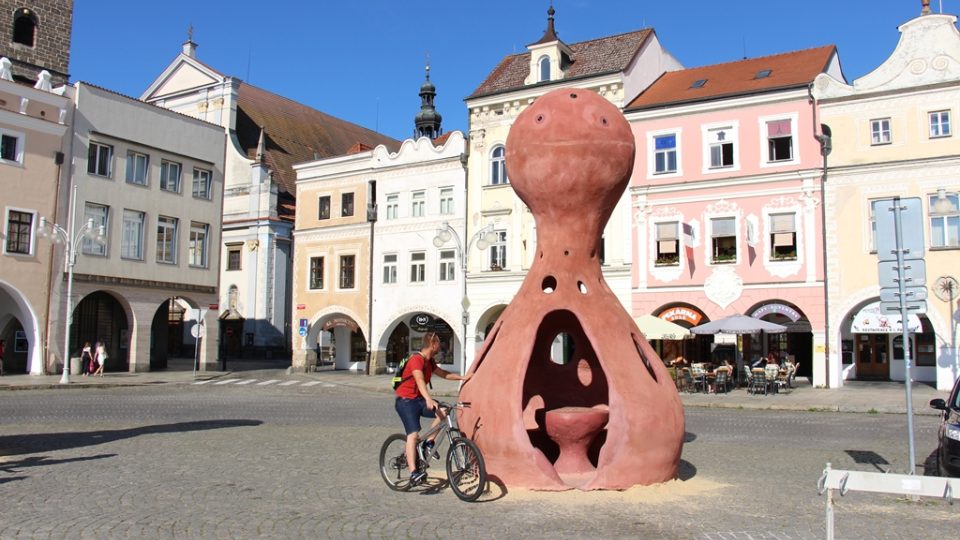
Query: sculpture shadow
(14, 467)
(34, 443)
(689, 437)
(686, 470)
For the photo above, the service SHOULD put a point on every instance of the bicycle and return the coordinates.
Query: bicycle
(466, 472)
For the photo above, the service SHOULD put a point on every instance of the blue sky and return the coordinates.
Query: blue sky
(363, 60)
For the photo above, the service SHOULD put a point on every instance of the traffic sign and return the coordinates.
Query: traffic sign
(911, 227)
(914, 273)
(913, 294)
(303, 331)
(198, 331)
(912, 307)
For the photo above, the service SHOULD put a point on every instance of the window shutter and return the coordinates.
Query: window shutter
(667, 247)
(782, 239)
(724, 227)
(667, 231)
(782, 223)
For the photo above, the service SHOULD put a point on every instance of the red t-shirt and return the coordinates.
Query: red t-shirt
(408, 388)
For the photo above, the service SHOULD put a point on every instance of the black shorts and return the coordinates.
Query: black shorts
(410, 411)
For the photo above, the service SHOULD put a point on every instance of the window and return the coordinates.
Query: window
(201, 183)
(98, 213)
(945, 220)
(10, 148)
(100, 159)
(665, 154)
(779, 141)
(324, 207)
(498, 251)
(448, 260)
(393, 206)
(170, 176)
(198, 244)
(137, 167)
(131, 241)
(498, 166)
(668, 244)
(721, 148)
(347, 271)
(234, 254)
(19, 232)
(446, 201)
(698, 83)
(390, 268)
(724, 240)
(346, 204)
(418, 203)
(24, 27)
(940, 124)
(167, 239)
(316, 272)
(880, 131)
(763, 74)
(783, 237)
(544, 63)
(418, 267)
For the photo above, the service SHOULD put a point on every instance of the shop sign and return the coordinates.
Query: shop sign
(338, 322)
(421, 322)
(870, 320)
(782, 309)
(690, 315)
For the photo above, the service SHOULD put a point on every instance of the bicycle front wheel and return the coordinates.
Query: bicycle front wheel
(466, 471)
(393, 463)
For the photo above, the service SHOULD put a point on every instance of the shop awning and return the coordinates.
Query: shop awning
(657, 328)
(869, 320)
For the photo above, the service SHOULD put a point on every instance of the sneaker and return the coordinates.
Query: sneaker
(416, 477)
(430, 450)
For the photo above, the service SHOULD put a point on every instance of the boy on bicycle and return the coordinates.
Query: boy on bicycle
(413, 399)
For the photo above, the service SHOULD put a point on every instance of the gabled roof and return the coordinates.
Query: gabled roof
(609, 54)
(787, 70)
(295, 133)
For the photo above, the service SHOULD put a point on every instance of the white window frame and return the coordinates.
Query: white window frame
(393, 206)
(418, 204)
(199, 234)
(448, 265)
(167, 232)
(731, 135)
(945, 218)
(322, 274)
(498, 166)
(126, 235)
(92, 210)
(652, 137)
(31, 240)
(418, 267)
(775, 233)
(21, 142)
(881, 131)
(541, 76)
(446, 201)
(133, 160)
(390, 268)
(712, 254)
(202, 184)
(662, 243)
(166, 166)
(763, 126)
(99, 168)
(498, 251)
(938, 123)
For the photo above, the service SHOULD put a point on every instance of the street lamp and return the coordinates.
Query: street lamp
(71, 241)
(482, 239)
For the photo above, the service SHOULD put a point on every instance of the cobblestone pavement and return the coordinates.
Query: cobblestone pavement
(186, 461)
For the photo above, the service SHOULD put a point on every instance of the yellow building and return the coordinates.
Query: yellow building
(893, 136)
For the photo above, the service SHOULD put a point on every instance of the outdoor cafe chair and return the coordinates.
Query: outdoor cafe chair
(772, 373)
(758, 382)
(689, 384)
(699, 376)
(721, 381)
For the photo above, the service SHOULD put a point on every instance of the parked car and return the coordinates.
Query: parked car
(948, 452)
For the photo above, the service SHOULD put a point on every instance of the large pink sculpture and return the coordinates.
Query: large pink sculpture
(610, 417)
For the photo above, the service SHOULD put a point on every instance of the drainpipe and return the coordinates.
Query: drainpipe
(823, 136)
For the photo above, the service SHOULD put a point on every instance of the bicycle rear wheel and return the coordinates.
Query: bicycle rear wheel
(393, 463)
(466, 471)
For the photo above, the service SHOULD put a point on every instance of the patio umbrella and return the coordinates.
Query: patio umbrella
(738, 324)
(657, 328)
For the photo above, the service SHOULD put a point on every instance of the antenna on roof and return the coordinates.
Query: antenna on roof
(249, 54)
(744, 47)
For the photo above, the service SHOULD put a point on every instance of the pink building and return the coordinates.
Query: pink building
(726, 204)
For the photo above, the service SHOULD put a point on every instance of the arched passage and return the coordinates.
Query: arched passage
(19, 329)
(796, 342)
(100, 316)
(341, 336)
(404, 334)
(170, 336)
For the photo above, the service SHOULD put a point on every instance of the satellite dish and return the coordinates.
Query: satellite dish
(946, 288)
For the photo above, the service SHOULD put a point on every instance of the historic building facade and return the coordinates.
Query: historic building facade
(725, 194)
(893, 136)
(37, 37)
(616, 67)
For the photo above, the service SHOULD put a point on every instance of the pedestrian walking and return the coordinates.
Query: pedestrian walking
(101, 356)
(86, 360)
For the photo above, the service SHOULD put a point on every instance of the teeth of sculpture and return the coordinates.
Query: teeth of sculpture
(566, 392)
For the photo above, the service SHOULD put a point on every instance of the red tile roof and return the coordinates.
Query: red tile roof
(609, 54)
(295, 133)
(441, 140)
(787, 70)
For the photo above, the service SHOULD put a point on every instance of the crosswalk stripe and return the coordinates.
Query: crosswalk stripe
(248, 381)
(204, 382)
(287, 383)
(312, 383)
(227, 381)
(271, 381)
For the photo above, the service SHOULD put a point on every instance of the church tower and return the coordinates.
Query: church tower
(35, 36)
(427, 121)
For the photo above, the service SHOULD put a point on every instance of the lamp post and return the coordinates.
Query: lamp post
(482, 238)
(71, 240)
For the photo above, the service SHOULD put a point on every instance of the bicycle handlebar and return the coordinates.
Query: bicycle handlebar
(457, 405)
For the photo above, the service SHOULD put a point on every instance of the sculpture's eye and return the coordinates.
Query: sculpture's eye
(539, 118)
(603, 121)
(573, 95)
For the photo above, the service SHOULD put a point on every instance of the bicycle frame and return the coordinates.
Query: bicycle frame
(447, 426)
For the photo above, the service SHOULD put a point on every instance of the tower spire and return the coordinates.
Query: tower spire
(427, 121)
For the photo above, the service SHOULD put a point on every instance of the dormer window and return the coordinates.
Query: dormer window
(544, 64)
(763, 74)
(698, 83)
(24, 27)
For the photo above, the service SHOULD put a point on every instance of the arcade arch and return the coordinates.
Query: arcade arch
(20, 331)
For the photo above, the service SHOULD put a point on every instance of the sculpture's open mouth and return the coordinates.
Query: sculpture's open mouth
(563, 373)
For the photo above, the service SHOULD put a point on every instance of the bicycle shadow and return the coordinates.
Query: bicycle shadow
(433, 485)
